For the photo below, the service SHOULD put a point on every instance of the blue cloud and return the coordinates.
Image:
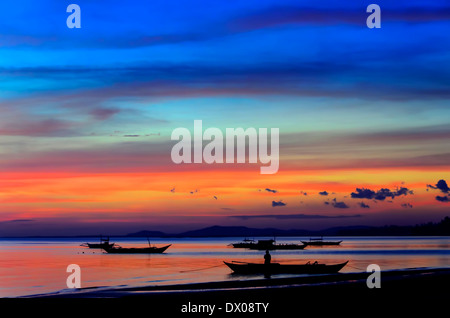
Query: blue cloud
(278, 203)
(442, 198)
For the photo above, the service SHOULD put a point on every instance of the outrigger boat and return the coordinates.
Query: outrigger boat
(267, 245)
(320, 242)
(273, 246)
(276, 268)
(246, 243)
(104, 243)
(136, 250)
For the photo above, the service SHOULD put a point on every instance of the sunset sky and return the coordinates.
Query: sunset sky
(87, 114)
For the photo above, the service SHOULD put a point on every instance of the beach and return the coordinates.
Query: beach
(419, 288)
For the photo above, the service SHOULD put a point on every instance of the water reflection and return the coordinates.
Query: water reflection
(39, 266)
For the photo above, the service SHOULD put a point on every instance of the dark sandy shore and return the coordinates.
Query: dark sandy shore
(404, 290)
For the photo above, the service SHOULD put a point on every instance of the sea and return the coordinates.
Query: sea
(34, 266)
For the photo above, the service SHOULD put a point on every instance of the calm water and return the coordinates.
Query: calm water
(34, 266)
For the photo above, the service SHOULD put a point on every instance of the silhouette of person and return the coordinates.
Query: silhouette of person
(267, 258)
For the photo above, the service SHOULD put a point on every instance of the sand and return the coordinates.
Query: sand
(406, 291)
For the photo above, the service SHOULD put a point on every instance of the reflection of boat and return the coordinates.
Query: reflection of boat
(267, 245)
(320, 242)
(276, 268)
(104, 243)
(136, 250)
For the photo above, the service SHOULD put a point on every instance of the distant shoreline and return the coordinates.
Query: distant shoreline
(441, 228)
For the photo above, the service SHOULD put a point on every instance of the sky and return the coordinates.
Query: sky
(87, 114)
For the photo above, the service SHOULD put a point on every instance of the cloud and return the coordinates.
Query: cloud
(403, 191)
(442, 198)
(275, 16)
(294, 216)
(344, 150)
(406, 205)
(129, 156)
(278, 203)
(174, 81)
(440, 185)
(340, 205)
(327, 203)
(103, 113)
(383, 194)
(18, 221)
(323, 193)
(271, 190)
(40, 128)
(363, 193)
(226, 22)
(363, 205)
(443, 187)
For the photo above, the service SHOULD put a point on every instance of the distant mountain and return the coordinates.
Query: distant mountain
(440, 228)
(223, 231)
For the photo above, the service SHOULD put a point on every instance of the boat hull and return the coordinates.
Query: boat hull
(243, 245)
(100, 245)
(135, 250)
(276, 268)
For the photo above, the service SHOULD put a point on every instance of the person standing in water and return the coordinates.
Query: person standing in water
(267, 258)
(267, 266)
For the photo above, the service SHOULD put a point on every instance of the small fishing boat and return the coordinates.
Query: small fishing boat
(246, 243)
(320, 242)
(276, 268)
(267, 245)
(104, 243)
(136, 250)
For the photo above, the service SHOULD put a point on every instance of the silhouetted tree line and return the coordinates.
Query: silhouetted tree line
(430, 228)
